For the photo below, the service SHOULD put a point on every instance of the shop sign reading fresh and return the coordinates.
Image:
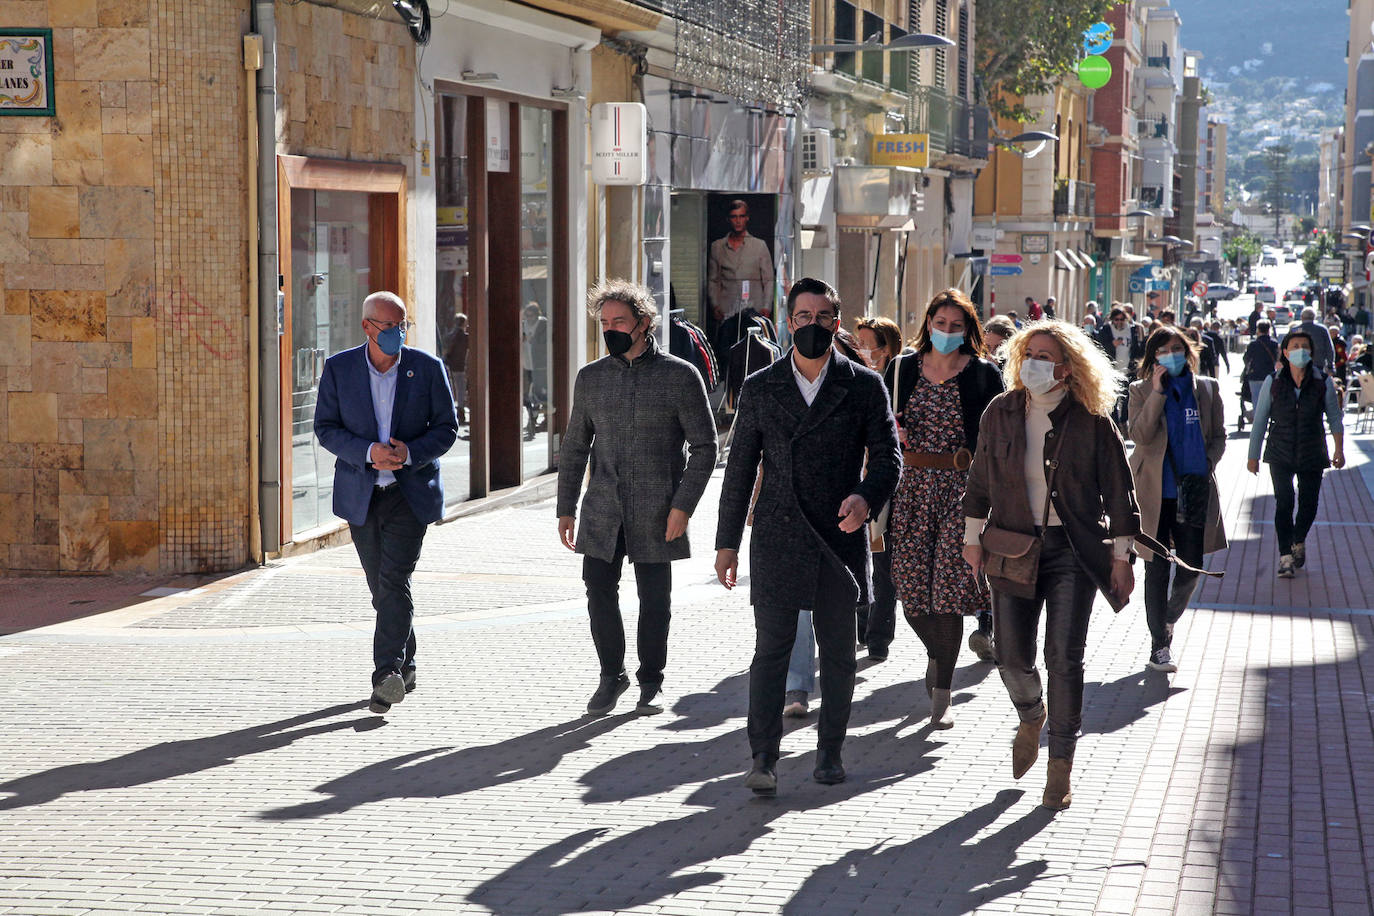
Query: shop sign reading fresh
(26, 72)
(910, 150)
(620, 143)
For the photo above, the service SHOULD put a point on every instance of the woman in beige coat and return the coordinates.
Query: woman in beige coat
(1179, 429)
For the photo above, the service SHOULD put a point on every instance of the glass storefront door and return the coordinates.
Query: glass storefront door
(453, 287)
(331, 274)
(536, 287)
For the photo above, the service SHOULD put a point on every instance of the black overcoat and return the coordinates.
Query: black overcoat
(813, 459)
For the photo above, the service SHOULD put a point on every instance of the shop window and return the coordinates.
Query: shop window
(899, 72)
(341, 238)
(846, 20)
(873, 60)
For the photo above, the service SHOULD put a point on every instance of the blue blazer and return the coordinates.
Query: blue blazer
(422, 417)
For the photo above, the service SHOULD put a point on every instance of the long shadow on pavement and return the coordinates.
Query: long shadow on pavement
(941, 872)
(444, 771)
(578, 874)
(176, 758)
(1114, 705)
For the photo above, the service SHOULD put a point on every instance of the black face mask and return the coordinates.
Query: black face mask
(812, 340)
(618, 343)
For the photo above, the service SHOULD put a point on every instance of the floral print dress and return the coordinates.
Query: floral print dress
(926, 533)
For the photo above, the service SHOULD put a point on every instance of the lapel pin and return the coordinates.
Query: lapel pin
(410, 373)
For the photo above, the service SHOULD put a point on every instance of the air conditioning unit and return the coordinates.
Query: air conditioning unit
(1109, 248)
(815, 152)
(1097, 135)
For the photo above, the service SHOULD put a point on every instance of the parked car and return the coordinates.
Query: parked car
(1263, 292)
(1217, 291)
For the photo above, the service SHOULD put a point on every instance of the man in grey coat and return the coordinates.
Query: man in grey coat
(632, 413)
(813, 418)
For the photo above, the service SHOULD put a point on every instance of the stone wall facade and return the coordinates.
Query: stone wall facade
(123, 253)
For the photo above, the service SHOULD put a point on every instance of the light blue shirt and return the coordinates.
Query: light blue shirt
(383, 386)
(1265, 403)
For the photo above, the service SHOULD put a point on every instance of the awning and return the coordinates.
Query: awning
(1129, 259)
(1063, 261)
(1087, 259)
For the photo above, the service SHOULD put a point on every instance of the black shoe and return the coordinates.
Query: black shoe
(1299, 555)
(408, 676)
(387, 692)
(763, 777)
(650, 700)
(877, 653)
(607, 692)
(981, 643)
(829, 770)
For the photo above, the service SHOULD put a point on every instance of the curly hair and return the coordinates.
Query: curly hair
(1092, 381)
(634, 295)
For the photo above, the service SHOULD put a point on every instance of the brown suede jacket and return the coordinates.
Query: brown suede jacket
(1093, 493)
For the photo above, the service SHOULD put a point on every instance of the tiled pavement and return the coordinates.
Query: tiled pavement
(208, 752)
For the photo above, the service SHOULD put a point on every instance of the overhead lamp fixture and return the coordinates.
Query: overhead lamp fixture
(474, 76)
(1033, 136)
(415, 15)
(1141, 213)
(1360, 227)
(1036, 137)
(916, 41)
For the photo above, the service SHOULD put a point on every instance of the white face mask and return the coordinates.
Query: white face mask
(1038, 375)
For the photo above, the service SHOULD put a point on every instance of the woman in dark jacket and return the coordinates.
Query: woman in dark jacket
(940, 391)
(1050, 461)
(1178, 426)
(1289, 411)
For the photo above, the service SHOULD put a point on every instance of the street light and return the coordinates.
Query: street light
(1038, 137)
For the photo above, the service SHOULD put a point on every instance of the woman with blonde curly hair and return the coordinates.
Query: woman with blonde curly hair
(1050, 474)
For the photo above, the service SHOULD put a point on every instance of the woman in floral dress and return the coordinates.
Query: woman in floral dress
(941, 391)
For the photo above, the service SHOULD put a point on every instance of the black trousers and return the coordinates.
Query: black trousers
(1288, 529)
(1164, 606)
(878, 621)
(388, 544)
(1066, 592)
(832, 617)
(655, 584)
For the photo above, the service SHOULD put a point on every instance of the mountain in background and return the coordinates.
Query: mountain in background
(1275, 69)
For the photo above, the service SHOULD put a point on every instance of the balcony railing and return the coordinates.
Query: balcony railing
(1074, 198)
(1152, 127)
(1158, 56)
(955, 126)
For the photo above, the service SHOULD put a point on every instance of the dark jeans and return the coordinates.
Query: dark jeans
(1163, 606)
(655, 584)
(775, 630)
(878, 621)
(388, 545)
(1287, 529)
(1066, 592)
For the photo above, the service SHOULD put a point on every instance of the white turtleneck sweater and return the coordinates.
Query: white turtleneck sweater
(1038, 424)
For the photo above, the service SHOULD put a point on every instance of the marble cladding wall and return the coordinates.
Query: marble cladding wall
(123, 267)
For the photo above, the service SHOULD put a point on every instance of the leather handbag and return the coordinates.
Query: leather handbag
(1013, 556)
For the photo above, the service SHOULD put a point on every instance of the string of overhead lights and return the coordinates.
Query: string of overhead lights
(752, 50)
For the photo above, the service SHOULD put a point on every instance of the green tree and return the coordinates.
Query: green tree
(1242, 249)
(1279, 181)
(1323, 246)
(1025, 45)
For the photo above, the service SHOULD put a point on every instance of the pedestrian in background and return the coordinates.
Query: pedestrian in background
(1261, 355)
(1178, 426)
(1288, 412)
(942, 390)
(1121, 339)
(1323, 354)
(997, 330)
(811, 418)
(880, 342)
(632, 413)
(1051, 470)
(386, 412)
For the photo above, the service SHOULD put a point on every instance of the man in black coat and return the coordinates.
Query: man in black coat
(812, 418)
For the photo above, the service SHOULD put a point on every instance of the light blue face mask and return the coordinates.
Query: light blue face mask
(1174, 362)
(390, 340)
(946, 342)
(1300, 357)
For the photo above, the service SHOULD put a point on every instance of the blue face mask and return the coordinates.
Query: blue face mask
(1300, 357)
(390, 340)
(1174, 362)
(945, 342)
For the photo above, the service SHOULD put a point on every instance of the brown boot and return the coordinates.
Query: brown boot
(1025, 747)
(1057, 794)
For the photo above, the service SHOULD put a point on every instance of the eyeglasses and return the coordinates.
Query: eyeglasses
(824, 319)
(387, 325)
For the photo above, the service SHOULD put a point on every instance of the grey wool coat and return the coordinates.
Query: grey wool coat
(1149, 431)
(632, 420)
(813, 459)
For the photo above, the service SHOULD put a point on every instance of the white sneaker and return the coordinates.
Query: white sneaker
(1160, 660)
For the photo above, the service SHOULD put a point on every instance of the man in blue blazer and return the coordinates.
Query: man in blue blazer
(386, 412)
